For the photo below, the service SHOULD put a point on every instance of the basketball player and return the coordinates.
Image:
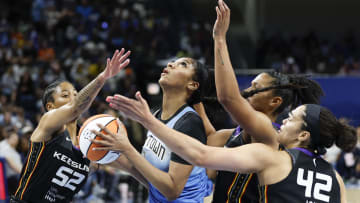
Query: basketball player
(272, 98)
(281, 190)
(296, 174)
(270, 93)
(172, 179)
(55, 169)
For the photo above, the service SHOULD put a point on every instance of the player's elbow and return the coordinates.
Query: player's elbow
(223, 98)
(228, 102)
(199, 159)
(173, 195)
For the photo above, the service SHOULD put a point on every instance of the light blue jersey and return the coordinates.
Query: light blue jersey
(158, 154)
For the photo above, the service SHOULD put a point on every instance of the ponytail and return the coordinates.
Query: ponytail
(334, 131)
(346, 137)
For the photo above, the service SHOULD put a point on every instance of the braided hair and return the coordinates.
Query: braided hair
(293, 89)
(48, 93)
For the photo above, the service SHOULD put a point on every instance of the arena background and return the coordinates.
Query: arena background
(41, 40)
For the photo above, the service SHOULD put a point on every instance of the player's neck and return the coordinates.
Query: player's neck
(170, 104)
(72, 128)
(272, 117)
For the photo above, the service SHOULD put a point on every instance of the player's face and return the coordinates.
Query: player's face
(291, 127)
(261, 101)
(63, 94)
(177, 74)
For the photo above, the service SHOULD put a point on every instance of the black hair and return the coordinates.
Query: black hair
(333, 131)
(49, 90)
(293, 89)
(216, 113)
(200, 76)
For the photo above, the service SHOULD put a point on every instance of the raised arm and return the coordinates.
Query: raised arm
(255, 123)
(54, 119)
(248, 158)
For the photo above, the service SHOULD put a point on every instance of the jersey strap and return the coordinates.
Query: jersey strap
(36, 150)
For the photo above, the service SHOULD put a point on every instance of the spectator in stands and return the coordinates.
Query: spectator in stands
(348, 164)
(13, 159)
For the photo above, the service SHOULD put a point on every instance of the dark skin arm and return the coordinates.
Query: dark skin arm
(54, 120)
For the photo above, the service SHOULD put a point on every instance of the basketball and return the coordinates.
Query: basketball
(85, 135)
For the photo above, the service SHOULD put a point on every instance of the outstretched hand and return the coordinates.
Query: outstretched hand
(222, 22)
(118, 61)
(111, 141)
(137, 110)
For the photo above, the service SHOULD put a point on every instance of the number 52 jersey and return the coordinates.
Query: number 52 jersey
(54, 171)
(311, 180)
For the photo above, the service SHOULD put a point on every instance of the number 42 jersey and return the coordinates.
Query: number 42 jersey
(54, 171)
(311, 180)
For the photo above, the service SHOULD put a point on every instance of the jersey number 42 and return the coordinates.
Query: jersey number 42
(309, 184)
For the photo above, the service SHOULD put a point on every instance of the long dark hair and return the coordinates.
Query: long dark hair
(200, 76)
(332, 131)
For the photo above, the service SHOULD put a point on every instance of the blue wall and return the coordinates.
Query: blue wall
(342, 95)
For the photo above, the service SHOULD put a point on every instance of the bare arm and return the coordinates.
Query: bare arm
(217, 139)
(214, 138)
(209, 128)
(342, 188)
(254, 157)
(170, 183)
(56, 118)
(124, 164)
(255, 123)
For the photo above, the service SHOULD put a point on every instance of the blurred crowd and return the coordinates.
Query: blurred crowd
(309, 53)
(43, 40)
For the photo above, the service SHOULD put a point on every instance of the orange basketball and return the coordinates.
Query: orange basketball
(85, 135)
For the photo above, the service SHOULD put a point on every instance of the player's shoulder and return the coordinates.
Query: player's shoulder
(190, 117)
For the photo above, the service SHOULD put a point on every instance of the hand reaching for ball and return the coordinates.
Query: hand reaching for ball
(111, 141)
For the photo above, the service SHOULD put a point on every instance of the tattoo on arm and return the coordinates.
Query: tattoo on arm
(221, 59)
(87, 95)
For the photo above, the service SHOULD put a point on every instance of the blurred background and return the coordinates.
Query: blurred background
(42, 40)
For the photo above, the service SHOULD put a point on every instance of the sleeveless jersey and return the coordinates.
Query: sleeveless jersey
(233, 187)
(159, 155)
(311, 180)
(54, 171)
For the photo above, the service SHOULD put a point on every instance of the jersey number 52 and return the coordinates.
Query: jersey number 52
(308, 183)
(66, 177)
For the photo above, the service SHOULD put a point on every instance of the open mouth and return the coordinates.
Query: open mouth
(164, 72)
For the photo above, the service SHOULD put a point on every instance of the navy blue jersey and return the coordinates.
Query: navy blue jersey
(311, 179)
(237, 187)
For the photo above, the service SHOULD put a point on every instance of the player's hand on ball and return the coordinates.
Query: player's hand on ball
(111, 141)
